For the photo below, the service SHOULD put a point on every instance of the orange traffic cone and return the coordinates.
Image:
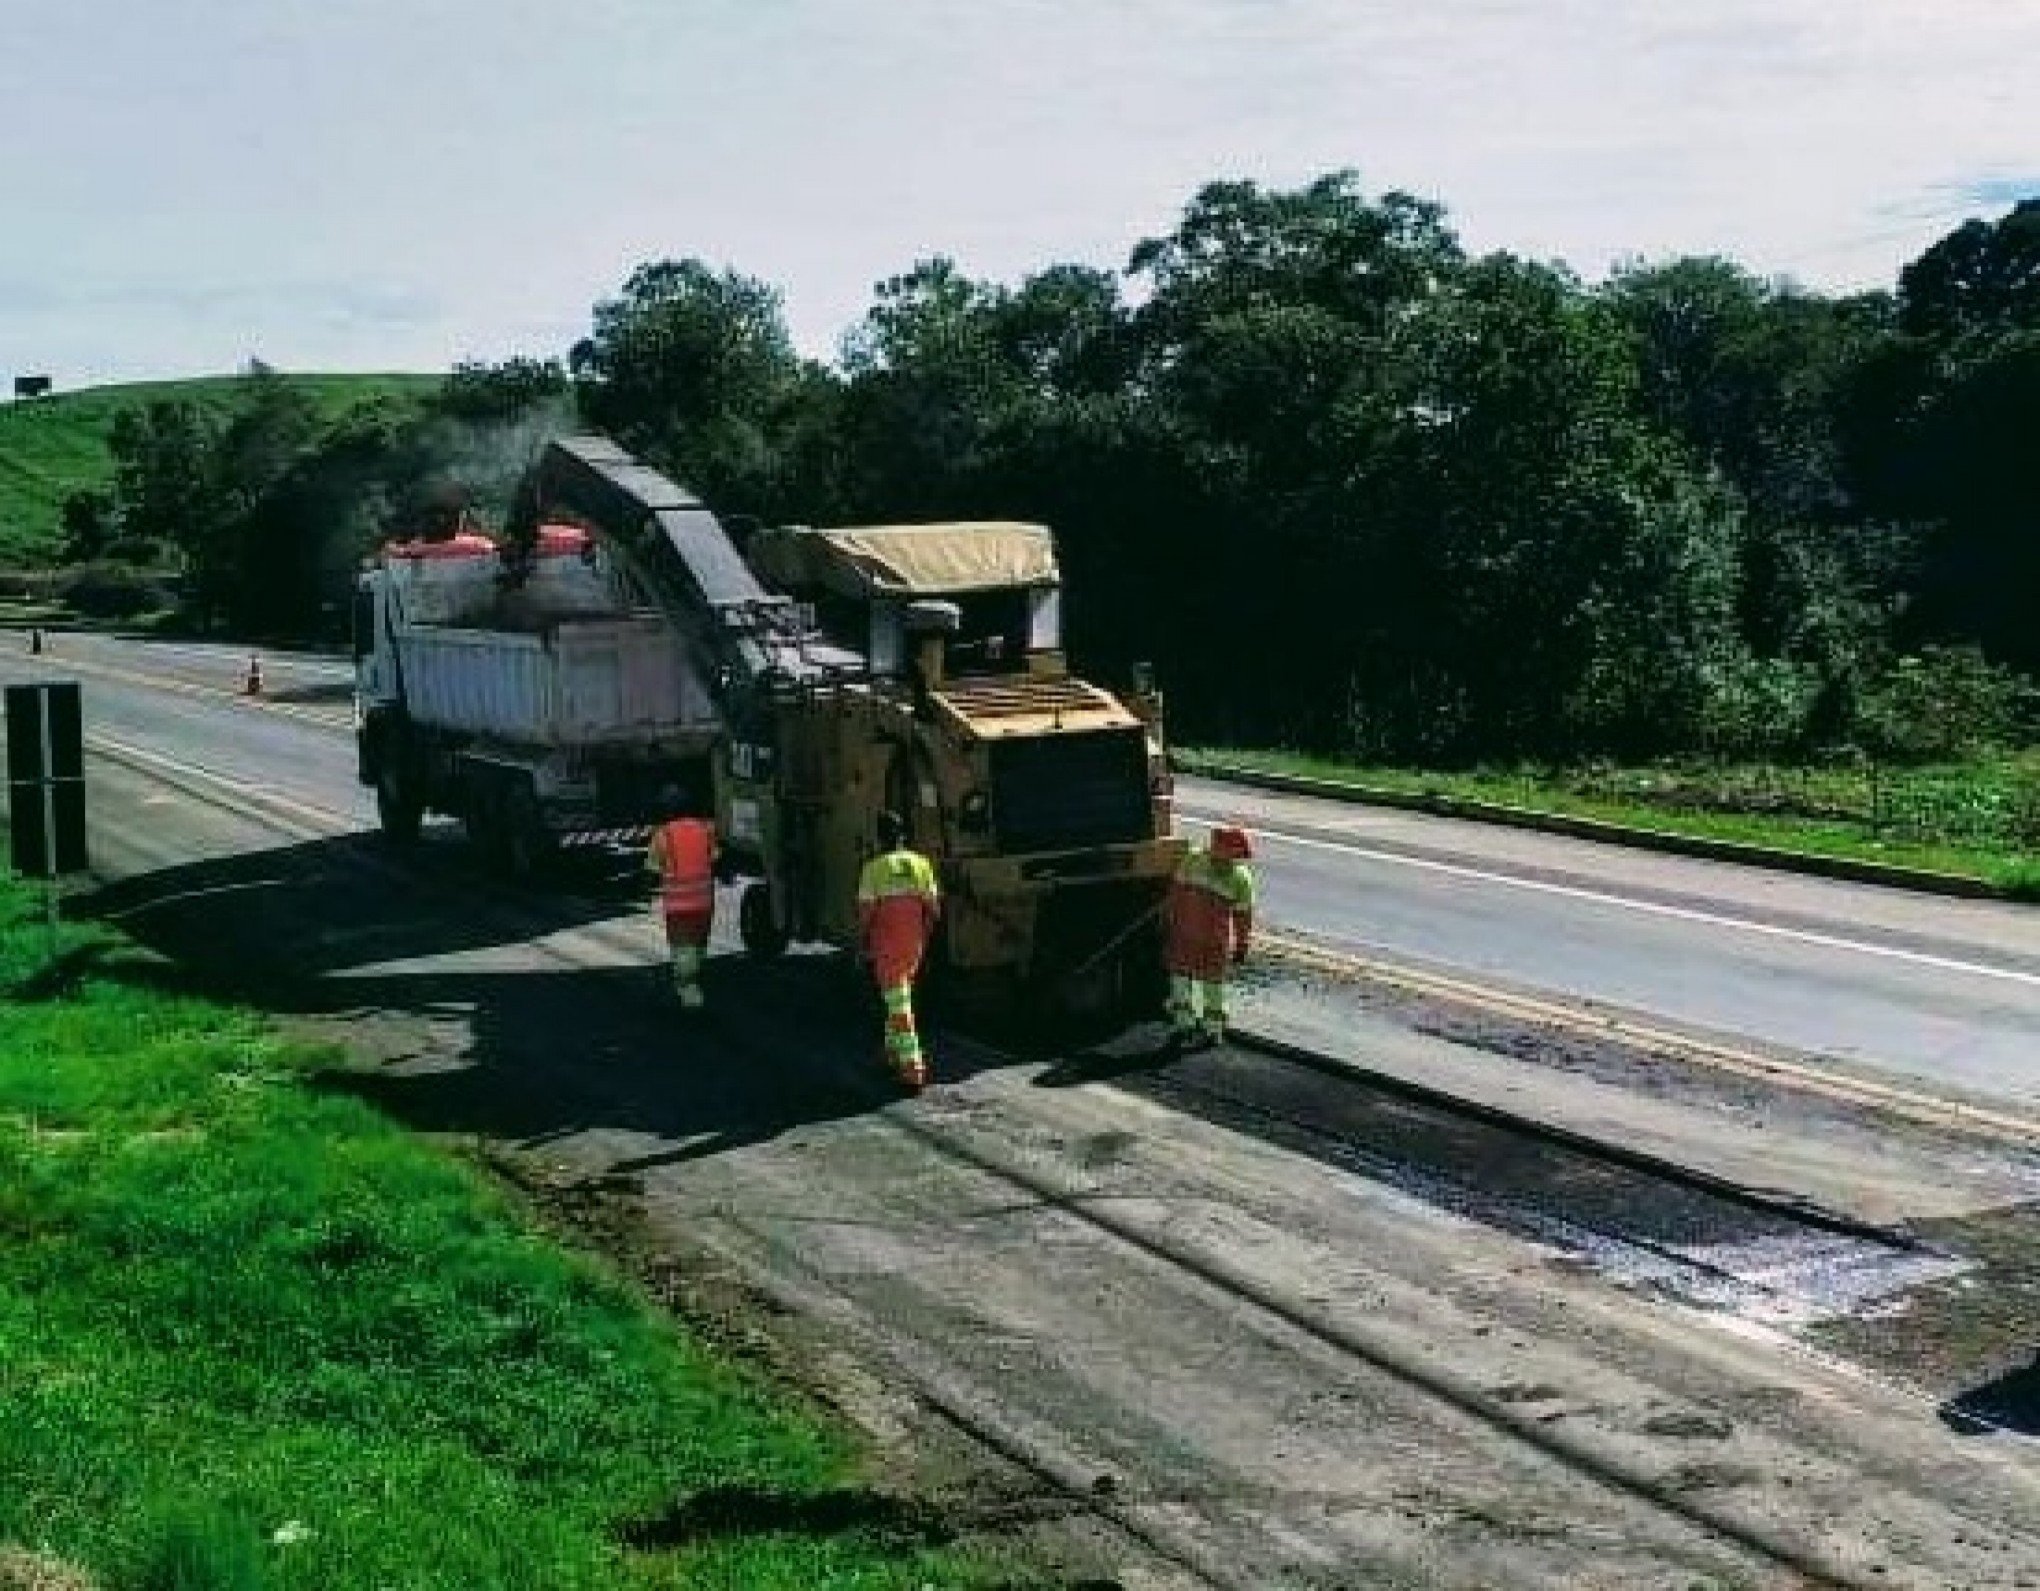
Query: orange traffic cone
(252, 686)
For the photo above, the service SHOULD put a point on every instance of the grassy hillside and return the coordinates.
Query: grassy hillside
(53, 446)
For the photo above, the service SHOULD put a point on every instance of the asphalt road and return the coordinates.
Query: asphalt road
(1942, 992)
(1939, 990)
(1252, 1366)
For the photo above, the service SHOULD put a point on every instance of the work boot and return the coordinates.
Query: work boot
(909, 1069)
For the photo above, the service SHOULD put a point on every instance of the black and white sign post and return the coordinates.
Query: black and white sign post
(46, 784)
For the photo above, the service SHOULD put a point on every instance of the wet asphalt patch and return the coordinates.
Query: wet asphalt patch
(1641, 1229)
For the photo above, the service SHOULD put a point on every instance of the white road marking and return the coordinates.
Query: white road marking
(1804, 936)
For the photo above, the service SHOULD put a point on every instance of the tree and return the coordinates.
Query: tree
(503, 392)
(1743, 373)
(269, 504)
(1938, 424)
(1239, 248)
(91, 525)
(1066, 333)
(164, 480)
(1262, 354)
(1556, 578)
(303, 536)
(1982, 277)
(269, 425)
(692, 367)
(928, 380)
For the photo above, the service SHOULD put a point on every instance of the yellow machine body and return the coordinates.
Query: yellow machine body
(1044, 800)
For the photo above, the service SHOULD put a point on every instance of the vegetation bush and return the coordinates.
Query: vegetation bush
(1944, 703)
(2023, 805)
(1760, 707)
(113, 591)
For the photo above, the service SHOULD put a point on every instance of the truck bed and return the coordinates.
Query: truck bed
(580, 682)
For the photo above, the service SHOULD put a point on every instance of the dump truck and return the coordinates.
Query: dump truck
(546, 713)
(847, 671)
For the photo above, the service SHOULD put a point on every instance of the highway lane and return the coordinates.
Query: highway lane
(1941, 991)
(254, 746)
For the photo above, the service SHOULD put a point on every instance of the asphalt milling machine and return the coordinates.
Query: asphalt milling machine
(545, 691)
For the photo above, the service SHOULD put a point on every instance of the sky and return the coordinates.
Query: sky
(397, 184)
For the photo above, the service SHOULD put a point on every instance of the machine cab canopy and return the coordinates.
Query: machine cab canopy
(1001, 575)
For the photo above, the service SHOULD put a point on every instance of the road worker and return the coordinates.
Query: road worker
(1210, 917)
(682, 857)
(898, 905)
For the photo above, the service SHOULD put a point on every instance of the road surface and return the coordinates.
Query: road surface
(1216, 1360)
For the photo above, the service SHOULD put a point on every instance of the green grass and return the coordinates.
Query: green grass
(1979, 819)
(53, 446)
(254, 1335)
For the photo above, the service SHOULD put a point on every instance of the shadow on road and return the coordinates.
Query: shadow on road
(462, 1024)
(2009, 1403)
(339, 905)
(325, 691)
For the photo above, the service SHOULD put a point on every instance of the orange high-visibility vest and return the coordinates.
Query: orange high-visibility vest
(1210, 909)
(898, 902)
(684, 851)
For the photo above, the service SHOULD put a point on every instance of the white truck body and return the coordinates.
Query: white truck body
(582, 682)
(557, 711)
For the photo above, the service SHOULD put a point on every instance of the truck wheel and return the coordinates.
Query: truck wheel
(523, 842)
(1143, 993)
(395, 807)
(757, 924)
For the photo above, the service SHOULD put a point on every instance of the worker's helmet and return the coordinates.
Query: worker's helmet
(892, 831)
(1230, 844)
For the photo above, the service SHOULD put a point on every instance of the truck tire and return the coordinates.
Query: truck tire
(758, 924)
(396, 808)
(524, 846)
(1143, 994)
